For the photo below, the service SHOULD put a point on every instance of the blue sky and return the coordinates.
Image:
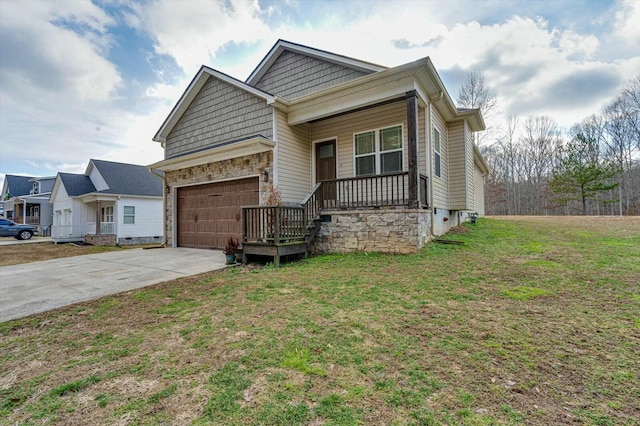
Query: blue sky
(95, 79)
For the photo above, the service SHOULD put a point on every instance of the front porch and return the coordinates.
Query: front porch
(103, 233)
(368, 213)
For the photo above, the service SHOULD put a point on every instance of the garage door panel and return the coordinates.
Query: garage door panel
(209, 214)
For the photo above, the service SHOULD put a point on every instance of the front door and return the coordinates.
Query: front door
(326, 170)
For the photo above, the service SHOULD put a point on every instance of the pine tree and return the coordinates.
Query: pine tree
(580, 174)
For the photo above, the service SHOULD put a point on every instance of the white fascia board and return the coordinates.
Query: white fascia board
(474, 118)
(192, 91)
(479, 160)
(220, 153)
(93, 197)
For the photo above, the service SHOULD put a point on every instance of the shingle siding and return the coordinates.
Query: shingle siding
(219, 113)
(294, 75)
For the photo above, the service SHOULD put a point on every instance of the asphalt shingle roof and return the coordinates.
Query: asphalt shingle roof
(128, 179)
(19, 185)
(77, 184)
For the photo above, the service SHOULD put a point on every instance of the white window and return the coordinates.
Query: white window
(129, 217)
(436, 150)
(378, 151)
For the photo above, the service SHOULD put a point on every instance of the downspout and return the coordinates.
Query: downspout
(164, 205)
(274, 170)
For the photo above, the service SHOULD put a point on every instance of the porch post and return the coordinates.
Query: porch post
(98, 224)
(412, 134)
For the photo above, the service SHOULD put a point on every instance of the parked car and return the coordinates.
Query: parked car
(9, 228)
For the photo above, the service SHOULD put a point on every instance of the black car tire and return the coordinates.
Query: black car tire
(24, 235)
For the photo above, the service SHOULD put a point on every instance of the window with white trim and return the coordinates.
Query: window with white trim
(436, 151)
(378, 151)
(129, 217)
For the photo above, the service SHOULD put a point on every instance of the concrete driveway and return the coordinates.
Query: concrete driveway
(40, 286)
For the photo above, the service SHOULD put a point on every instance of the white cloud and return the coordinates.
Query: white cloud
(41, 53)
(193, 33)
(627, 25)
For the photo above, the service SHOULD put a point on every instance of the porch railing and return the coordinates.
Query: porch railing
(79, 231)
(273, 224)
(424, 194)
(68, 231)
(105, 228)
(281, 224)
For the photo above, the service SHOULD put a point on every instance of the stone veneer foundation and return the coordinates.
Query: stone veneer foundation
(384, 231)
(100, 240)
(241, 167)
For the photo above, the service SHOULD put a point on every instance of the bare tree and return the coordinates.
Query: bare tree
(541, 145)
(474, 93)
(620, 145)
(631, 98)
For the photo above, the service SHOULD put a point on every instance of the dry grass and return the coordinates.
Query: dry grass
(16, 254)
(532, 321)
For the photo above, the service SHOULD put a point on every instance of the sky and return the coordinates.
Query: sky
(83, 80)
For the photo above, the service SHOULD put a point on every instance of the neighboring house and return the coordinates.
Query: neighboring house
(110, 203)
(26, 201)
(366, 158)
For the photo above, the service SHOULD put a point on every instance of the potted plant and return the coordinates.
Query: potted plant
(231, 249)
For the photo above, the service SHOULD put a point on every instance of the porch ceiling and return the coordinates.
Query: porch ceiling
(382, 86)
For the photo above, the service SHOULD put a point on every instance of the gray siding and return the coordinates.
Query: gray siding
(441, 184)
(219, 113)
(294, 160)
(457, 167)
(294, 75)
(422, 143)
(470, 164)
(345, 126)
(478, 195)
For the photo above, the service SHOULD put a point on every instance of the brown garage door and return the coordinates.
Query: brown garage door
(209, 214)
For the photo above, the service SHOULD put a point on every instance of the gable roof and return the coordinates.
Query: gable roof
(128, 179)
(76, 184)
(192, 91)
(18, 185)
(282, 46)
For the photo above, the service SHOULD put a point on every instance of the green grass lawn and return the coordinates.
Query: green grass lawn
(530, 321)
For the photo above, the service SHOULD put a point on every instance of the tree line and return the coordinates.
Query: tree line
(538, 169)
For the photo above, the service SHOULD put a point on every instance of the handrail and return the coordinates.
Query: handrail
(273, 224)
(312, 204)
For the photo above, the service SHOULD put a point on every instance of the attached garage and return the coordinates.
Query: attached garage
(208, 214)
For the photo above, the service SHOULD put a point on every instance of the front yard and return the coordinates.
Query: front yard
(531, 321)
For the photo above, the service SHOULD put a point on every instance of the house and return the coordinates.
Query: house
(360, 157)
(26, 201)
(111, 203)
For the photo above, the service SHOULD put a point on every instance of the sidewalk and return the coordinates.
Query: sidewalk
(8, 241)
